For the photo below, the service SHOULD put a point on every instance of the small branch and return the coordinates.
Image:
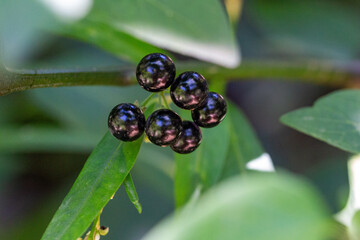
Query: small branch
(316, 72)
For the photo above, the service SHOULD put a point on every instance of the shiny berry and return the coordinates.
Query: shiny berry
(126, 122)
(189, 138)
(211, 112)
(155, 72)
(189, 90)
(163, 127)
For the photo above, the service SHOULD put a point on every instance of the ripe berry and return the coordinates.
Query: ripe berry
(155, 72)
(189, 138)
(211, 112)
(126, 122)
(189, 90)
(163, 127)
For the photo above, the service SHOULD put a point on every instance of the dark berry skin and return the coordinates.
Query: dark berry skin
(155, 72)
(126, 122)
(189, 90)
(211, 112)
(189, 138)
(163, 127)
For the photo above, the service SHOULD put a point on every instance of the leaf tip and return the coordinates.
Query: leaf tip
(138, 207)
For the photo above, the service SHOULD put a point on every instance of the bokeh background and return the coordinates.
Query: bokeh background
(47, 134)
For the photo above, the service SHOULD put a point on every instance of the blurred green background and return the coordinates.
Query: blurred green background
(47, 134)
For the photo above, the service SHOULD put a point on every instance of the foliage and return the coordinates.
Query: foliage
(217, 194)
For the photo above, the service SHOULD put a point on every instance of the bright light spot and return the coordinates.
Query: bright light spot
(262, 163)
(69, 10)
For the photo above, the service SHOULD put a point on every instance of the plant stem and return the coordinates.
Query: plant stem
(95, 227)
(147, 100)
(316, 72)
(166, 105)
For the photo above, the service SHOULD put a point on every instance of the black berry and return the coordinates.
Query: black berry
(163, 127)
(211, 112)
(155, 72)
(189, 138)
(126, 122)
(189, 90)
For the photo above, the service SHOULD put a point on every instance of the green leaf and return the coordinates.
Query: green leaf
(203, 167)
(103, 173)
(131, 192)
(244, 144)
(334, 119)
(195, 28)
(258, 206)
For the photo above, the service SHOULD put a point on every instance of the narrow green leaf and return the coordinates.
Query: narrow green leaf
(258, 206)
(102, 175)
(195, 28)
(202, 167)
(131, 192)
(244, 144)
(334, 119)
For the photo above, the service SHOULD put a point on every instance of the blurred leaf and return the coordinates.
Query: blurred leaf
(203, 167)
(195, 28)
(311, 28)
(85, 108)
(45, 138)
(333, 119)
(102, 175)
(257, 207)
(244, 145)
(9, 168)
(112, 40)
(22, 36)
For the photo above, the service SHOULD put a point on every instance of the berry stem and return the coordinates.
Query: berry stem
(95, 227)
(147, 100)
(166, 105)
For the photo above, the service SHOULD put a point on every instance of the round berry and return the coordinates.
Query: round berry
(189, 138)
(163, 127)
(155, 72)
(211, 112)
(189, 90)
(126, 122)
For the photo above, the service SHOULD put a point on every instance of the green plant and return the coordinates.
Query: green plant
(218, 195)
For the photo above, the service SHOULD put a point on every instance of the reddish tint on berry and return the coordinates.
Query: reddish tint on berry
(126, 122)
(189, 138)
(211, 112)
(155, 72)
(189, 90)
(163, 127)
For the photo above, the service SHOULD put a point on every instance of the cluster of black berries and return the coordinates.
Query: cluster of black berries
(164, 127)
